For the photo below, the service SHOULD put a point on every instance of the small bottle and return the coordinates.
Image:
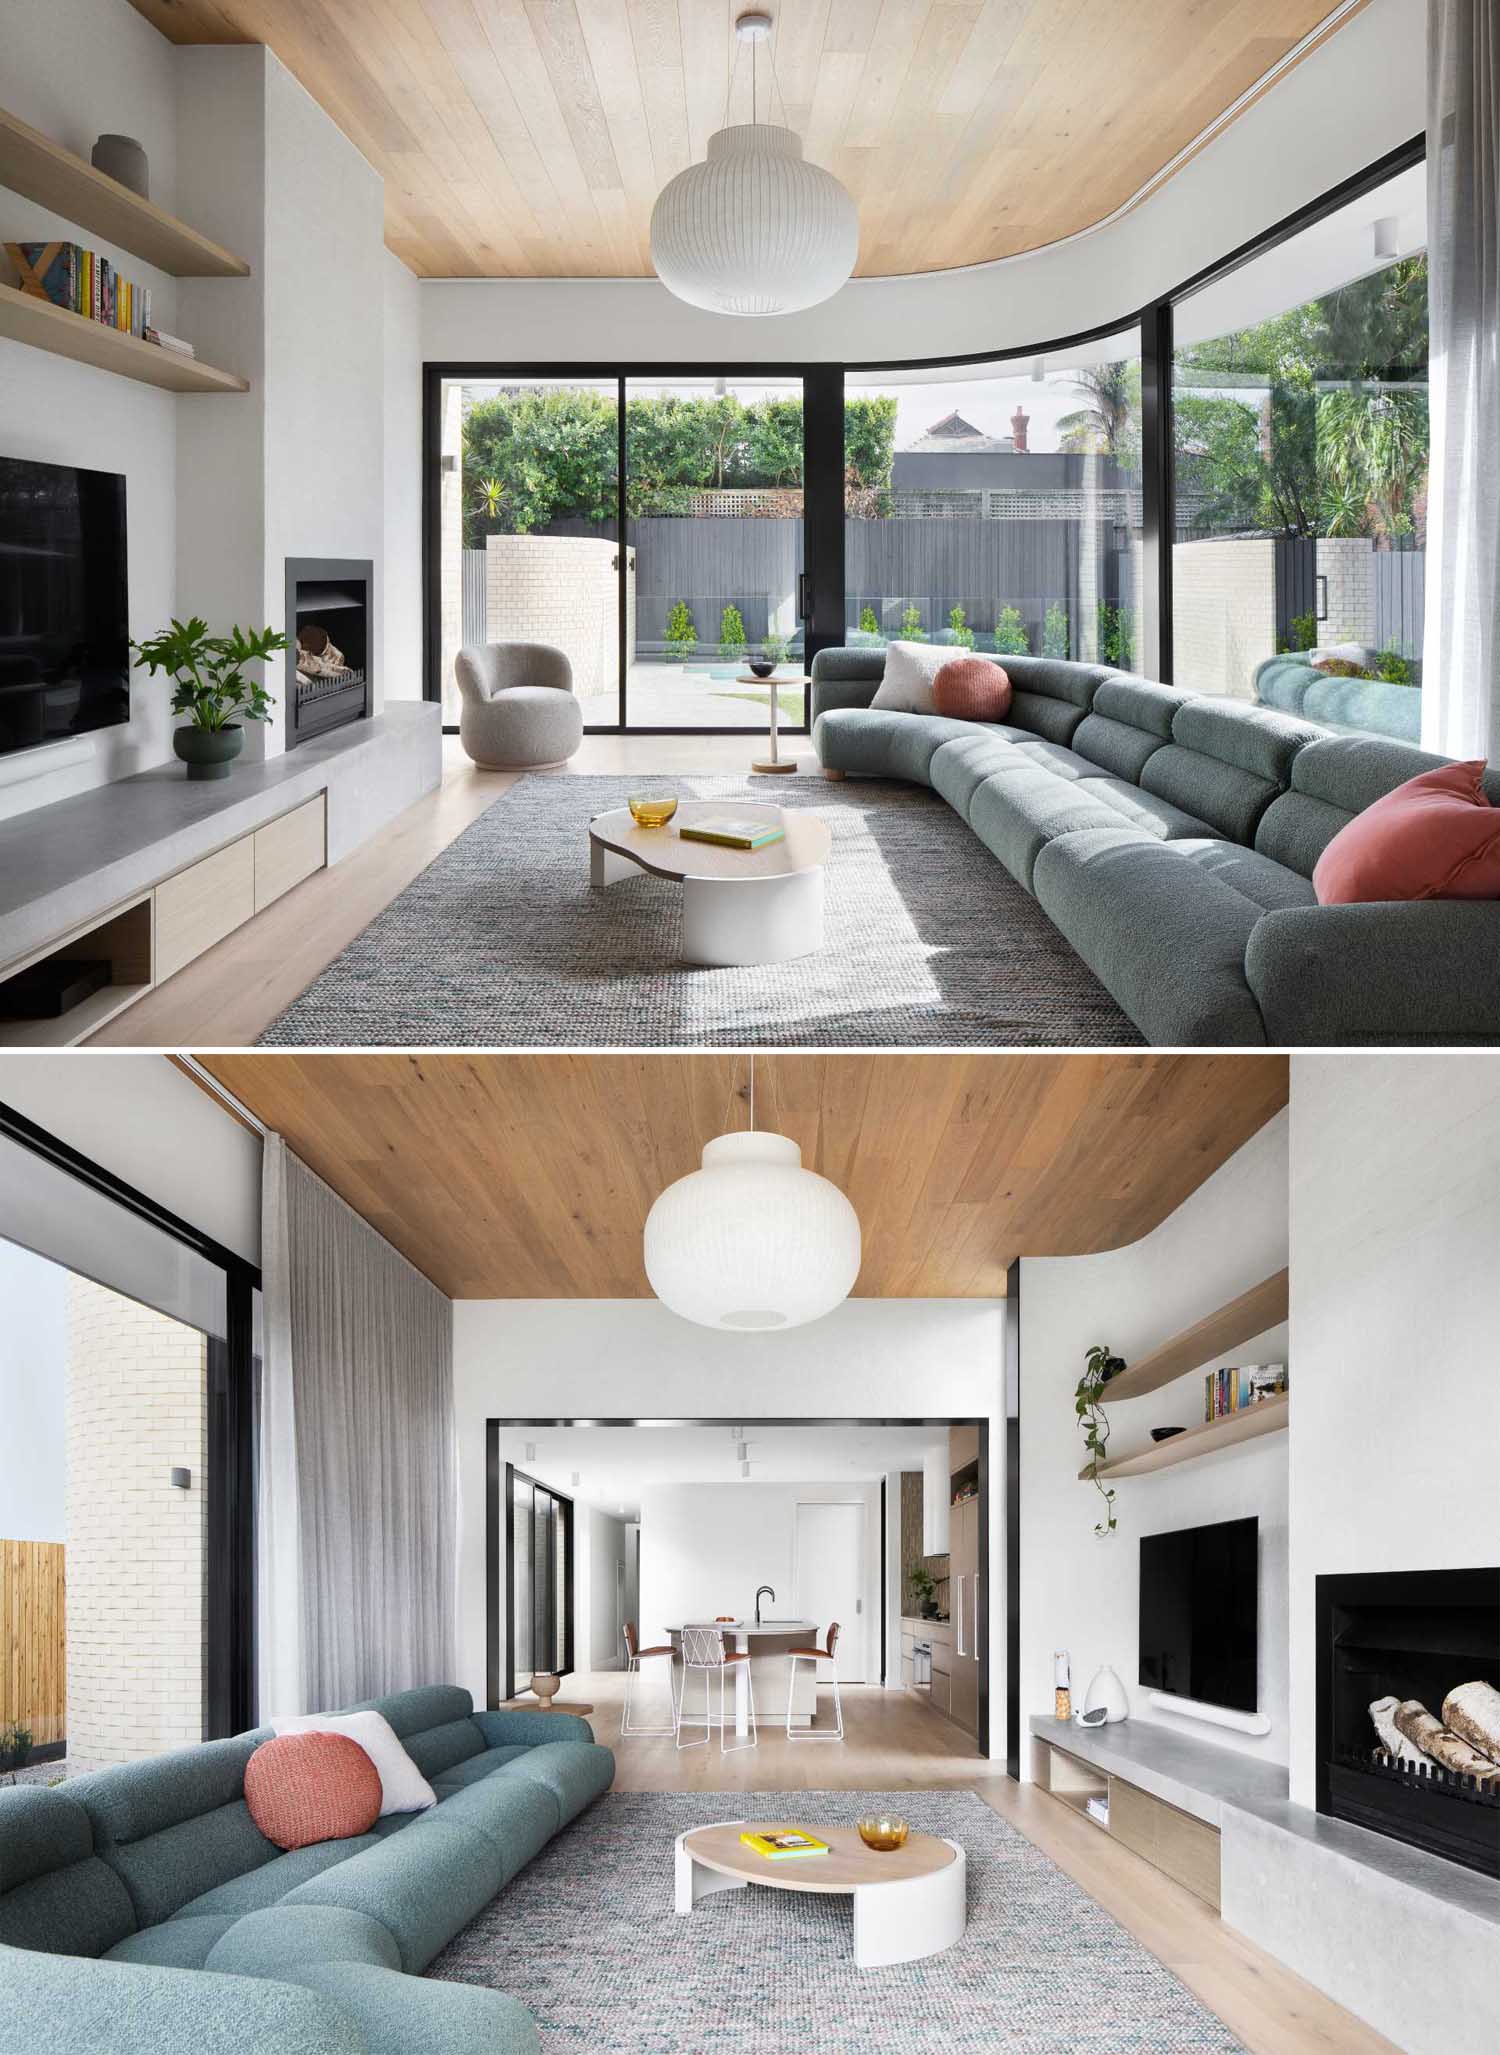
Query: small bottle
(1062, 1691)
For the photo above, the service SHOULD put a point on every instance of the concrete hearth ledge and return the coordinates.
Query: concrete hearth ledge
(1195, 1776)
(66, 864)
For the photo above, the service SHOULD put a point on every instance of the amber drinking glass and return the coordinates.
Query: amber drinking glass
(652, 809)
(883, 1832)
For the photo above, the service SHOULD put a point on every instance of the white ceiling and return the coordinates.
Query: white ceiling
(614, 1463)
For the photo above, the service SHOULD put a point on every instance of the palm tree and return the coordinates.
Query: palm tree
(1109, 426)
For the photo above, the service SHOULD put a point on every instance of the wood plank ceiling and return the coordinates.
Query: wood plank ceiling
(531, 1176)
(529, 138)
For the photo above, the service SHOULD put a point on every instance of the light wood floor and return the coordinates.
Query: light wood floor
(233, 993)
(895, 1743)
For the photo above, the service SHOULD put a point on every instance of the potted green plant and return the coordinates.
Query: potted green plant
(923, 1590)
(210, 686)
(1102, 1366)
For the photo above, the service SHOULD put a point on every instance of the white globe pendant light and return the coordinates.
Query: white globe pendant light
(752, 1241)
(754, 229)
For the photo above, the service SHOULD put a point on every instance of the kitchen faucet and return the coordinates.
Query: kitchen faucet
(770, 1594)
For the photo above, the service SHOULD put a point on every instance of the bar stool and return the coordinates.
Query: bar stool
(815, 1656)
(703, 1650)
(635, 1655)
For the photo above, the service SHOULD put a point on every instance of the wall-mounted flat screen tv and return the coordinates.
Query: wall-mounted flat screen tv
(1200, 1603)
(64, 623)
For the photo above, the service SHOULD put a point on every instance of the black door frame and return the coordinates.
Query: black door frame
(823, 386)
(570, 1530)
(229, 1541)
(497, 1523)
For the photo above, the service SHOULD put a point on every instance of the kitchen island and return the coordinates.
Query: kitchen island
(767, 1642)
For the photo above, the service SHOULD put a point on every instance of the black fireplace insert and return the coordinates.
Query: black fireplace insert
(329, 664)
(1406, 1635)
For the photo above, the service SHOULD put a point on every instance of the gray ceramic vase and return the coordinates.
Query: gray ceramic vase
(208, 752)
(122, 158)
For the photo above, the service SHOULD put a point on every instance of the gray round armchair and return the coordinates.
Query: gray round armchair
(518, 707)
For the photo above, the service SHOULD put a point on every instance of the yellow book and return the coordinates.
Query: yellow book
(784, 1844)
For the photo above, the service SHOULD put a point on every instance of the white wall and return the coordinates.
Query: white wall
(401, 663)
(599, 1539)
(141, 1118)
(33, 1396)
(706, 1547)
(71, 68)
(558, 1359)
(1338, 111)
(1395, 1225)
(1078, 1592)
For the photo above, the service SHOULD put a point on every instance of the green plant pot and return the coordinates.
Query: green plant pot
(208, 752)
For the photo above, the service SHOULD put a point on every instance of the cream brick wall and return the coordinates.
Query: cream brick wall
(1223, 613)
(137, 1408)
(1348, 563)
(560, 589)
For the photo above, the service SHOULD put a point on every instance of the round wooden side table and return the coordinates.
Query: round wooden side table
(775, 763)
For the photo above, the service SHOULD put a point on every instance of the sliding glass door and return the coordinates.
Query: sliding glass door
(713, 496)
(528, 527)
(539, 1580)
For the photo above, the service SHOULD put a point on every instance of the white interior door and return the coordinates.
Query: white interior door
(830, 1565)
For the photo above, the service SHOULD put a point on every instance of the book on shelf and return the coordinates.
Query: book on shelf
(175, 343)
(783, 1844)
(733, 832)
(1098, 1809)
(1236, 1387)
(85, 283)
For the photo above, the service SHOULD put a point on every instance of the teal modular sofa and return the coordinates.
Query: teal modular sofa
(142, 1912)
(1368, 706)
(1171, 838)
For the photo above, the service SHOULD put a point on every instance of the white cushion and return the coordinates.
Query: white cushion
(910, 668)
(403, 1788)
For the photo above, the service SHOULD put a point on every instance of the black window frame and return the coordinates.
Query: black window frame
(567, 1663)
(823, 443)
(229, 1542)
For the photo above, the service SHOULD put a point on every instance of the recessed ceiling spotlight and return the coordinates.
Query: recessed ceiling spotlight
(1387, 235)
(1038, 370)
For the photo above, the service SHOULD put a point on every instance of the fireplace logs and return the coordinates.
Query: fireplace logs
(1441, 1744)
(1473, 1713)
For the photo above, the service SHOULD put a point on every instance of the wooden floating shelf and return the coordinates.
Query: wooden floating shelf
(27, 319)
(1263, 1306)
(44, 171)
(1266, 1416)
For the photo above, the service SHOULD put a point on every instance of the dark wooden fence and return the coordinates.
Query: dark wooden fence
(1401, 599)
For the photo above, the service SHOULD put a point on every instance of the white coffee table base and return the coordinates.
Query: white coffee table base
(728, 921)
(902, 1920)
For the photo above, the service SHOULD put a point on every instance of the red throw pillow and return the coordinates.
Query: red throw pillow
(303, 1788)
(971, 688)
(1435, 837)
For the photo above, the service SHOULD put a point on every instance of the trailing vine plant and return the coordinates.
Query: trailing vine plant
(1087, 1404)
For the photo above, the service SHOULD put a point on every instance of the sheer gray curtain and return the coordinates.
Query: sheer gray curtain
(359, 1382)
(1461, 659)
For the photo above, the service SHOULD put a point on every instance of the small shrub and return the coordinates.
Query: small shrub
(682, 632)
(868, 625)
(731, 632)
(1304, 631)
(1010, 633)
(1393, 667)
(958, 623)
(1055, 635)
(15, 1748)
(911, 625)
(1116, 636)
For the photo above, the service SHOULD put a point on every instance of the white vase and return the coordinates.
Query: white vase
(1106, 1689)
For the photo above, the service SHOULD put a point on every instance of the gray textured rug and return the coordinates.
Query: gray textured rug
(587, 1937)
(501, 944)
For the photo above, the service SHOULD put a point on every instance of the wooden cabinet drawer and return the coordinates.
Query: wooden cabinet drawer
(203, 904)
(963, 1696)
(941, 1689)
(1176, 1842)
(288, 850)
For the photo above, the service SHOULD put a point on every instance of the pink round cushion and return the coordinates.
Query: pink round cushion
(971, 688)
(1435, 837)
(303, 1788)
